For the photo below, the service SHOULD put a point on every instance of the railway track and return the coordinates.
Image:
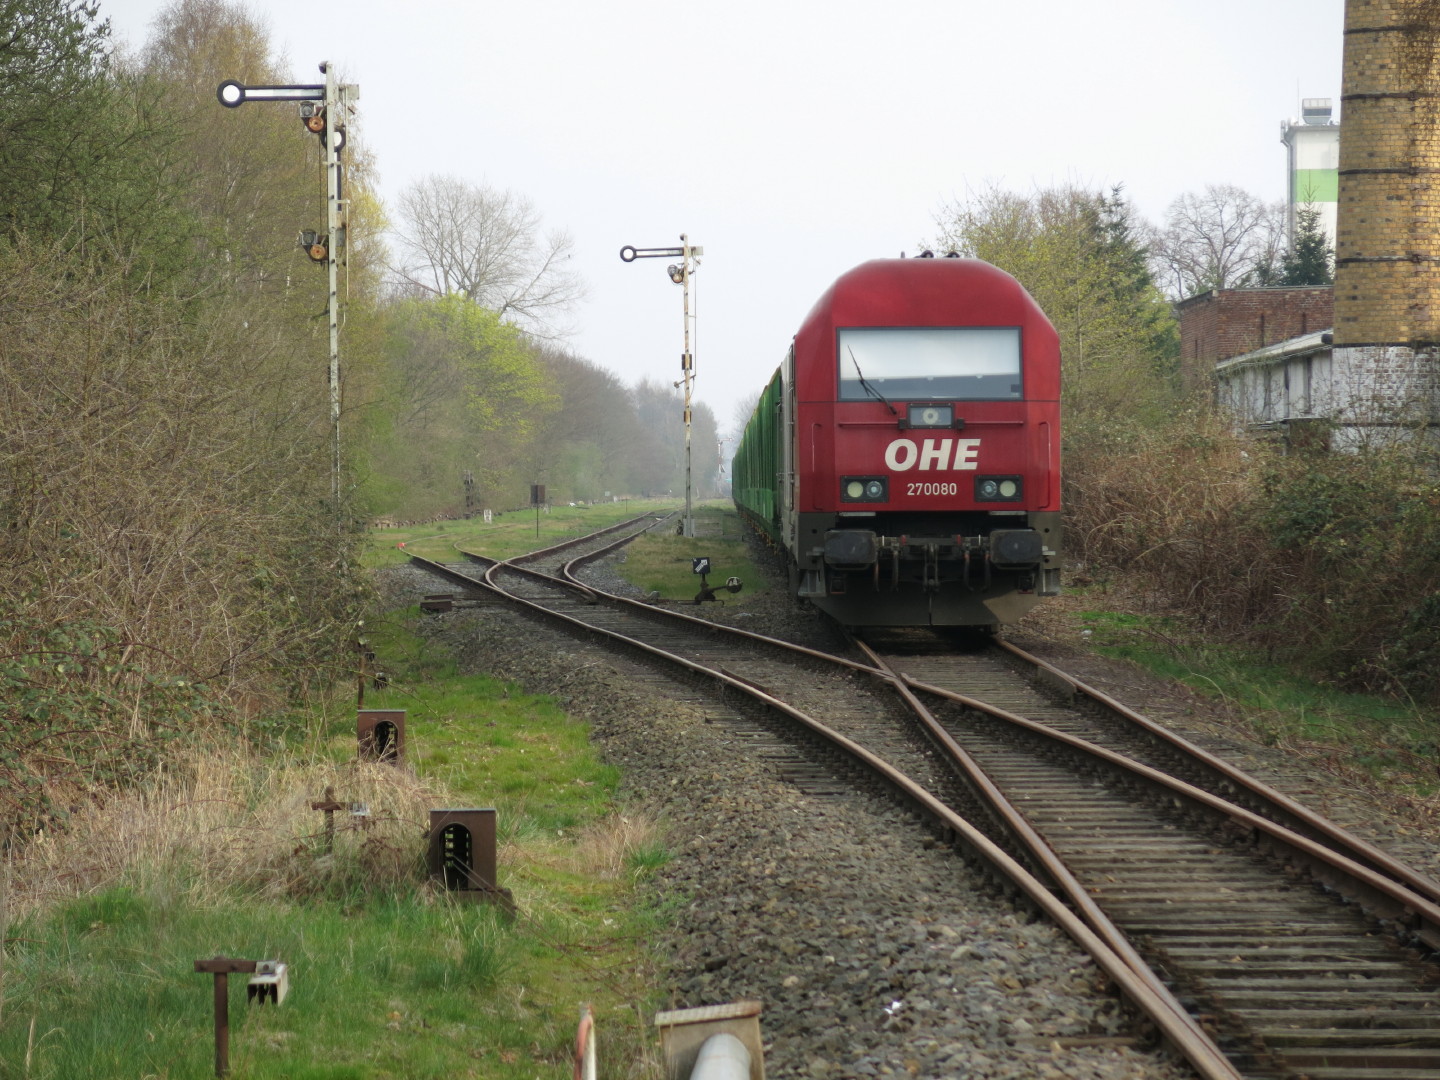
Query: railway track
(1259, 939)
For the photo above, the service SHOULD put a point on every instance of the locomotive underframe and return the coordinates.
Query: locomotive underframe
(903, 570)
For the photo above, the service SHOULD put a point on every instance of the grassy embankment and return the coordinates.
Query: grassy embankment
(1388, 740)
(223, 855)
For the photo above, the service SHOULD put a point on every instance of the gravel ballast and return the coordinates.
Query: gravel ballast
(875, 951)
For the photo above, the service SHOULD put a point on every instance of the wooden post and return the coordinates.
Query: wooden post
(329, 805)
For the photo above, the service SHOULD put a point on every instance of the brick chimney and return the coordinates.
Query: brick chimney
(1387, 266)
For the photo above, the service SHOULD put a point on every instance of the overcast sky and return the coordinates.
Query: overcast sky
(794, 139)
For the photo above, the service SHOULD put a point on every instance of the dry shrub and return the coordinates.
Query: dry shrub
(1330, 561)
(164, 472)
(221, 822)
(1172, 508)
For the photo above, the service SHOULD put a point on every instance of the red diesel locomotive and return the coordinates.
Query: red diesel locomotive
(906, 455)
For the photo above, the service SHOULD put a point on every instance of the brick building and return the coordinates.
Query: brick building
(1222, 323)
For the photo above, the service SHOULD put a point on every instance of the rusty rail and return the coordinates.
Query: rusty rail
(1171, 1021)
(1299, 818)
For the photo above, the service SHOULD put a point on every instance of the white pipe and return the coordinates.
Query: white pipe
(722, 1057)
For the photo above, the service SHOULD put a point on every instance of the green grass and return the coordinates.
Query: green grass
(392, 988)
(384, 984)
(1384, 737)
(512, 533)
(662, 562)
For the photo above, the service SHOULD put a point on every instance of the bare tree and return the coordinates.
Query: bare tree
(1221, 238)
(485, 244)
(744, 410)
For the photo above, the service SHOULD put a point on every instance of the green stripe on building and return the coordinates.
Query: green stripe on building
(1317, 185)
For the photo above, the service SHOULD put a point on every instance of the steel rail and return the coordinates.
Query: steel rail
(1290, 815)
(1415, 898)
(1023, 833)
(1305, 819)
(1374, 890)
(513, 563)
(1175, 1025)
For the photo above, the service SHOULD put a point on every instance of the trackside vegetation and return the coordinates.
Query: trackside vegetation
(222, 855)
(1324, 563)
(1373, 738)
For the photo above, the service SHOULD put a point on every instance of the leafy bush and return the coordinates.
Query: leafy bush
(77, 715)
(157, 476)
(1330, 562)
(1362, 533)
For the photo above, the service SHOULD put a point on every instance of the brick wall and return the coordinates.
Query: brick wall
(1387, 282)
(1223, 323)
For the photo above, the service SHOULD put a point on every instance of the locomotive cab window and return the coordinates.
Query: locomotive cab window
(917, 363)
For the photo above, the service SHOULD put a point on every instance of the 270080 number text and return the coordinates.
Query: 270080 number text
(931, 489)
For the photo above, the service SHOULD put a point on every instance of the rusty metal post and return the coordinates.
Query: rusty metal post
(222, 1024)
(221, 967)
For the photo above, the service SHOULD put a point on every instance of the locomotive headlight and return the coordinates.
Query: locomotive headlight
(930, 416)
(998, 489)
(864, 489)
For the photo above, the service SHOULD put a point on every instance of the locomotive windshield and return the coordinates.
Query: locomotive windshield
(915, 363)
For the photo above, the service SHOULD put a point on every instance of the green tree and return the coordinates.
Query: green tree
(253, 177)
(1077, 253)
(1311, 259)
(465, 391)
(87, 151)
(584, 445)
(53, 61)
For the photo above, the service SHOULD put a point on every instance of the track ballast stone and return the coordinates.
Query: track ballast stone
(874, 951)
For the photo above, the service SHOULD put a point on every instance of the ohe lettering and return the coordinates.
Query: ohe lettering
(932, 454)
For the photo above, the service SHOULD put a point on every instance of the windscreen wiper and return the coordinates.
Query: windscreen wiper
(867, 387)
